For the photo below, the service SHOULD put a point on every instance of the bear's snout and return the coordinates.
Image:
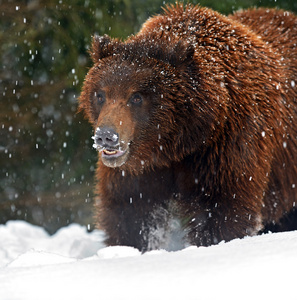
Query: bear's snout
(106, 138)
(113, 152)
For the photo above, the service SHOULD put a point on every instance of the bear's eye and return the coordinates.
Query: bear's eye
(99, 96)
(136, 99)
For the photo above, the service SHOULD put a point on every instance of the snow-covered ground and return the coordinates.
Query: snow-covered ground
(74, 264)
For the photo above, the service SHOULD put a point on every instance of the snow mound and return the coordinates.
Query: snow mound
(18, 237)
(75, 264)
(117, 252)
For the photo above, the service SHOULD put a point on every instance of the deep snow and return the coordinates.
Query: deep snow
(74, 264)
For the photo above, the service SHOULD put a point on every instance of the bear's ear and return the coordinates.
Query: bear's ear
(181, 55)
(102, 46)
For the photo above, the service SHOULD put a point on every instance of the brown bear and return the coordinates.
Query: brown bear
(195, 126)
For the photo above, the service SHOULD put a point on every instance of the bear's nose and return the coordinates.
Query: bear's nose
(106, 137)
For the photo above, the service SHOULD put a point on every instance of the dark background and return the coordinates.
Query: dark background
(46, 156)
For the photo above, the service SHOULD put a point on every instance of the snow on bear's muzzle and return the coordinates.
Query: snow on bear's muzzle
(106, 141)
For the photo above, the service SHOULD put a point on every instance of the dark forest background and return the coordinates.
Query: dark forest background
(46, 156)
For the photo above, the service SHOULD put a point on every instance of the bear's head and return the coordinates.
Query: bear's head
(145, 102)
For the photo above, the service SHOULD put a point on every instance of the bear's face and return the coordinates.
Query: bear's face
(137, 99)
(122, 105)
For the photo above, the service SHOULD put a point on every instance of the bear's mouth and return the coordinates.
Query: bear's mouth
(114, 157)
(111, 153)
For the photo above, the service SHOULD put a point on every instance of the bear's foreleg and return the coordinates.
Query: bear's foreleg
(213, 221)
(133, 210)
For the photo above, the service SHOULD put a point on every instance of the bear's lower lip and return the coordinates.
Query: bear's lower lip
(114, 158)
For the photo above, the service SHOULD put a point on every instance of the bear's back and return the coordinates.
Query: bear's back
(198, 25)
(277, 27)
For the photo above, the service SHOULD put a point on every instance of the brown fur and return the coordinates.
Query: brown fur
(213, 142)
